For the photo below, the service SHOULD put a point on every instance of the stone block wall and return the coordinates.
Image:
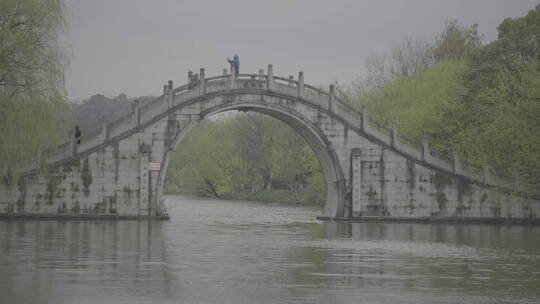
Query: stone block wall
(368, 172)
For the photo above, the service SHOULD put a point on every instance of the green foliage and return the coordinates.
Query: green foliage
(206, 161)
(246, 156)
(456, 41)
(520, 37)
(314, 192)
(410, 58)
(33, 111)
(481, 101)
(422, 106)
(501, 101)
(31, 63)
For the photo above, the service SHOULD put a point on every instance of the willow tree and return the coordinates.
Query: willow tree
(32, 67)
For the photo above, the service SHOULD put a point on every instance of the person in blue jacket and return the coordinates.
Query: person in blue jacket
(236, 62)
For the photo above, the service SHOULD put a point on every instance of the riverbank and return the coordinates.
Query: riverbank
(438, 220)
(267, 196)
(48, 216)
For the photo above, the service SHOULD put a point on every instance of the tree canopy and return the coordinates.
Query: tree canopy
(482, 100)
(33, 112)
(249, 156)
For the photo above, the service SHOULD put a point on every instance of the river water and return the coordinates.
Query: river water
(246, 252)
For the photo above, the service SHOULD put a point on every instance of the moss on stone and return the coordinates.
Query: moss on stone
(86, 176)
(112, 204)
(52, 183)
(441, 202)
(116, 156)
(76, 208)
(411, 176)
(23, 188)
(440, 180)
(127, 190)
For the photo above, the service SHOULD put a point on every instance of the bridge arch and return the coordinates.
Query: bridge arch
(317, 140)
(369, 170)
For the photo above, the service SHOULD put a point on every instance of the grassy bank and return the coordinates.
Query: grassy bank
(269, 196)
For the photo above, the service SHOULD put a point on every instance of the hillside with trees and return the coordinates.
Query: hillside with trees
(97, 108)
(481, 100)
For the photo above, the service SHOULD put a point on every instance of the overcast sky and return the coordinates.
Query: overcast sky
(135, 46)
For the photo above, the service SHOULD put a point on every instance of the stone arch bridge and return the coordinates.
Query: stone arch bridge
(369, 171)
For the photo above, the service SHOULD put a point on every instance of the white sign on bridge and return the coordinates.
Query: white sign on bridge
(154, 166)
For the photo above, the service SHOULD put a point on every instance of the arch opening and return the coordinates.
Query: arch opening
(331, 170)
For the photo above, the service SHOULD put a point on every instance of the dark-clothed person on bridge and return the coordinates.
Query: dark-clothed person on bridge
(78, 135)
(236, 62)
(192, 78)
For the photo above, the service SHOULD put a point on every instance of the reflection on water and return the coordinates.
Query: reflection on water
(61, 261)
(241, 252)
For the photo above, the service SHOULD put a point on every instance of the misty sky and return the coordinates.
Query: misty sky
(135, 46)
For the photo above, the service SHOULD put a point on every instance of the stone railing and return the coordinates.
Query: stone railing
(327, 100)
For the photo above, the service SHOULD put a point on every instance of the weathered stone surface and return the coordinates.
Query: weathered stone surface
(368, 172)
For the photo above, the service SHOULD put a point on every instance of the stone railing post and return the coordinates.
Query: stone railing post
(394, 136)
(232, 77)
(72, 144)
(363, 118)
(270, 79)
(486, 175)
(170, 94)
(425, 150)
(202, 82)
(165, 90)
(225, 72)
(37, 159)
(331, 98)
(104, 130)
(300, 84)
(291, 80)
(136, 114)
(517, 181)
(456, 164)
(261, 79)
